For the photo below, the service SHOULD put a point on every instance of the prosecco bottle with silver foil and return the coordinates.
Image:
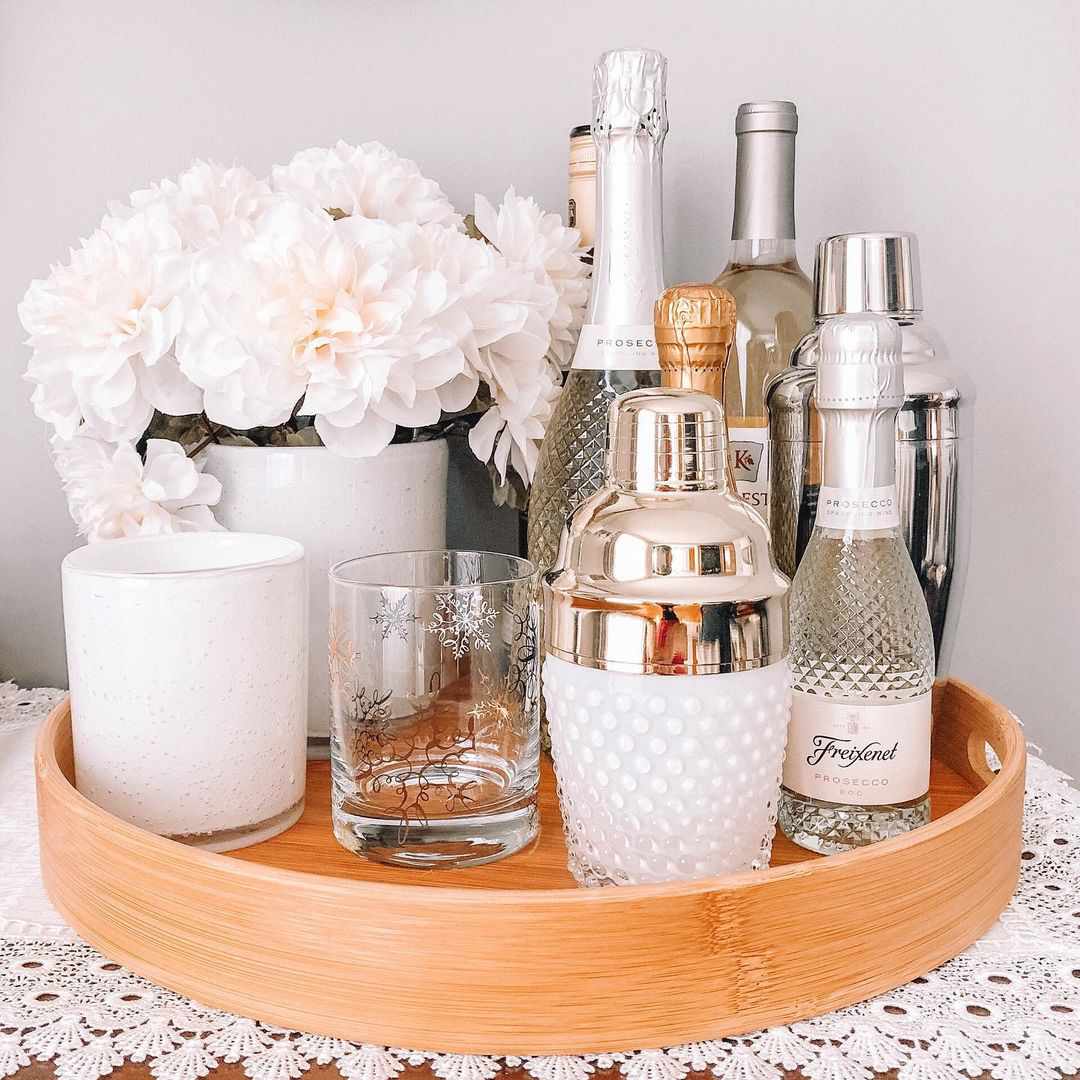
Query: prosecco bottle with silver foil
(858, 760)
(616, 351)
(773, 297)
(879, 273)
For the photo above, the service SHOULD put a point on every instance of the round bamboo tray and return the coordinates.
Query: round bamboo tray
(512, 958)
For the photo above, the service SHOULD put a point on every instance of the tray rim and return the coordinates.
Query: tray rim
(48, 767)
(697, 901)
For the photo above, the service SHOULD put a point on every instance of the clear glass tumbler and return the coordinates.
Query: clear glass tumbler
(434, 691)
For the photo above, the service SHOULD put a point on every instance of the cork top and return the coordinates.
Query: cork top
(695, 326)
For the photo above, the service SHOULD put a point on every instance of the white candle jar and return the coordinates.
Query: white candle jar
(187, 663)
(665, 672)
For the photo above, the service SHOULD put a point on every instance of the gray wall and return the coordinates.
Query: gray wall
(954, 120)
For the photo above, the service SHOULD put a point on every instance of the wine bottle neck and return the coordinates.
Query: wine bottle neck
(628, 266)
(858, 488)
(858, 447)
(764, 190)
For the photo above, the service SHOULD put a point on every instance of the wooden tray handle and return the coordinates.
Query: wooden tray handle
(962, 746)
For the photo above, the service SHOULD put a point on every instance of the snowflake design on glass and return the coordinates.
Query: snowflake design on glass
(462, 622)
(523, 676)
(394, 617)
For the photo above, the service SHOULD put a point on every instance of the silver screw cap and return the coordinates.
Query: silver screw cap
(868, 272)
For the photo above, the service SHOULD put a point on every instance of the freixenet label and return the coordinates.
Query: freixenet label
(858, 752)
(748, 448)
(616, 348)
(858, 508)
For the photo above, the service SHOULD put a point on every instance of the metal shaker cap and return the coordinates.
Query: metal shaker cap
(665, 570)
(666, 440)
(860, 363)
(629, 92)
(767, 116)
(876, 272)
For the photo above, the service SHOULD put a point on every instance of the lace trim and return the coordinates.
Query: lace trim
(24, 708)
(1009, 1006)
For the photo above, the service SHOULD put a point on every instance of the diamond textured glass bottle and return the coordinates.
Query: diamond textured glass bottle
(862, 658)
(616, 351)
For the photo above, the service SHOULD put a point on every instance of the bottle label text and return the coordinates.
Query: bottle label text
(857, 752)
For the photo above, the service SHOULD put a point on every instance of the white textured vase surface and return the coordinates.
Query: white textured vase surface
(337, 508)
(187, 661)
(666, 776)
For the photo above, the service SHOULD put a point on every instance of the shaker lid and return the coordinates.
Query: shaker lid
(629, 92)
(877, 272)
(665, 570)
(666, 440)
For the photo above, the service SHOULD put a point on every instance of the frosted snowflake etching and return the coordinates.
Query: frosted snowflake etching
(462, 622)
(394, 617)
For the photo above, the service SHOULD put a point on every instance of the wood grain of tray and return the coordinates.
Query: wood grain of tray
(512, 958)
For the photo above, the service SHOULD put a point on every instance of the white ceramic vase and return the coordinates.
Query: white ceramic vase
(337, 508)
(187, 662)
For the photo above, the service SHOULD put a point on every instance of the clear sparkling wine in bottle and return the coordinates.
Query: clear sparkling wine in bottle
(862, 656)
(616, 351)
(773, 297)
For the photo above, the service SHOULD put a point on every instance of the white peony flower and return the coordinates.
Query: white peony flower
(102, 329)
(111, 493)
(533, 240)
(367, 181)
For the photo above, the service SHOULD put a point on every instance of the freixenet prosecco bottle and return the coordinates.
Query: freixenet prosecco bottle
(773, 297)
(616, 351)
(862, 651)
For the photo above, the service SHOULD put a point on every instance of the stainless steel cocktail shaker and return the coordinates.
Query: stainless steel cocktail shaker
(879, 272)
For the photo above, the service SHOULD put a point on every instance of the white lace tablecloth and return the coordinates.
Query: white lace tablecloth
(1009, 1006)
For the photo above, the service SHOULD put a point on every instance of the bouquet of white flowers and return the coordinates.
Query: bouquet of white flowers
(343, 302)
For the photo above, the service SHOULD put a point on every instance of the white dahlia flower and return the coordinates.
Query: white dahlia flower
(102, 329)
(536, 241)
(111, 493)
(203, 201)
(500, 322)
(344, 313)
(511, 430)
(367, 181)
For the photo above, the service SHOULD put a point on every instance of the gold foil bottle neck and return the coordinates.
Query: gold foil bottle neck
(695, 326)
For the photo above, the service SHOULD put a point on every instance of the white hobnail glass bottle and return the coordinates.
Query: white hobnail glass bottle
(858, 759)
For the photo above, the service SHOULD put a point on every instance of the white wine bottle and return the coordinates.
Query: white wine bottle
(616, 351)
(862, 651)
(773, 297)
